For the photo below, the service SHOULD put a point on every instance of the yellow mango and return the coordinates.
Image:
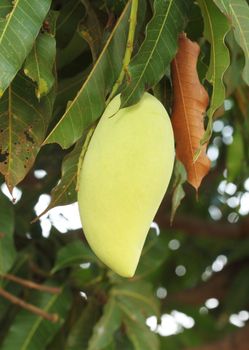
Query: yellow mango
(123, 178)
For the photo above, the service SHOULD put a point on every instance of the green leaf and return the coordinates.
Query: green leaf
(137, 302)
(136, 296)
(73, 253)
(39, 63)
(65, 191)
(67, 89)
(31, 332)
(153, 255)
(195, 23)
(8, 309)
(140, 335)
(106, 326)
(70, 15)
(232, 77)
(158, 49)
(18, 31)
(87, 277)
(23, 124)
(216, 27)
(180, 177)
(235, 157)
(82, 330)
(5, 8)
(69, 54)
(91, 30)
(238, 12)
(120, 342)
(90, 100)
(7, 248)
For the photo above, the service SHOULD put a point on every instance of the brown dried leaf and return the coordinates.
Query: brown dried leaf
(189, 107)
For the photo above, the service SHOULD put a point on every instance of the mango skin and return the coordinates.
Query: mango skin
(122, 181)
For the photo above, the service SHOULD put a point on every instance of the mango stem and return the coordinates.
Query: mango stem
(128, 51)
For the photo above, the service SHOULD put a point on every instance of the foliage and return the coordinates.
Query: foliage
(59, 62)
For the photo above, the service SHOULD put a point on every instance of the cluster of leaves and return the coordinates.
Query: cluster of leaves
(59, 61)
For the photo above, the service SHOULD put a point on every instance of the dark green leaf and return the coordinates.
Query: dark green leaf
(158, 49)
(65, 191)
(91, 30)
(75, 48)
(82, 330)
(235, 157)
(216, 27)
(195, 23)
(180, 177)
(18, 31)
(238, 12)
(90, 100)
(31, 332)
(7, 248)
(70, 15)
(136, 296)
(232, 77)
(5, 7)
(23, 124)
(40, 62)
(140, 335)
(106, 326)
(87, 277)
(137, 302)
(72, 254)
(153, 255)
(68, 88)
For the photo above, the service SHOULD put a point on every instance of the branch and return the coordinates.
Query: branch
(34, 309)
(202, 228)
(30, 284)
(235, 341)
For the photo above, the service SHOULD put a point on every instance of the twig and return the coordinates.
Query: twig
(30, 284)
(129, 49)
(34, 309)
(38, 271)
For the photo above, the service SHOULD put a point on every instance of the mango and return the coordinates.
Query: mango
(123, 178)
